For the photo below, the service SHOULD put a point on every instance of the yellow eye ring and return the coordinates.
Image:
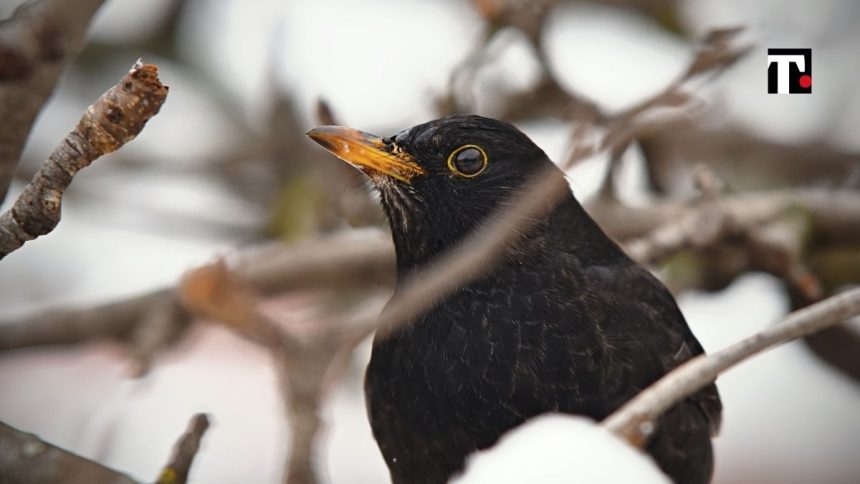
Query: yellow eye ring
(462, 161)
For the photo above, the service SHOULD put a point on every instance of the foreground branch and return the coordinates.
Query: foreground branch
(634, 420)
(114, 119)
(35, 44)
(176, 471)
(26, 458)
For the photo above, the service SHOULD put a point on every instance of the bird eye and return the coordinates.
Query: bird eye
(468, 161)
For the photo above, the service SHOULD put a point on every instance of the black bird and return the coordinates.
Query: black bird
(564, 322)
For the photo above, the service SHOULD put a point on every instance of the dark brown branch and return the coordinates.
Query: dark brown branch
(114, 119)
(635, 419)
(35, 45)
(27, 459)
(176, 472)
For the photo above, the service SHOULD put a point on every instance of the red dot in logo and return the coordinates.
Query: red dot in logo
(805, 81)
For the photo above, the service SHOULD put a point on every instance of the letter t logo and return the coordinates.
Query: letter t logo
(789, 71)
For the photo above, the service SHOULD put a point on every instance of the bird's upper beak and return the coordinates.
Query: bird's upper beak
(367, 152)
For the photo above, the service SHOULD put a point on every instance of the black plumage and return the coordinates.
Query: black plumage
(565, 322)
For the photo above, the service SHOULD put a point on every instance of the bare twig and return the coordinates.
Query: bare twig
(176, 471)
(163, 324)
(35, 44)
(114, 119)
(743, 159)
(835, 213)
(354, 259)
(26, 458)
(214, 292)
(705, 223)
(634, 420)
(714, 55)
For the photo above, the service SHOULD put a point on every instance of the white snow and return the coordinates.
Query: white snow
(560, 449)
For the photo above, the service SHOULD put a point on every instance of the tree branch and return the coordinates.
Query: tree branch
(359, 258)
(35, 44)
(26, 458)
(176, 471)
(634, 420)
(114, 119)
(835, 213)
(354, 259)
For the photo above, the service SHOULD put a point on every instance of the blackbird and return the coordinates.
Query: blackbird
(564, 322)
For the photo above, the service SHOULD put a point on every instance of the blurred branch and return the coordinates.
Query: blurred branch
(35, 44)
(26, 458)
(716, 53)
(176, 471)
(634, 421)
(835, 213)
(355, 260)
(546, 98)
(303, 363)
(838, 347)
(743, 159)
(324, 113)
(150, 322)
(779, 240)
(114, 119)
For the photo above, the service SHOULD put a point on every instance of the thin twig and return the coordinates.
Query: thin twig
(113, 120)
(634, 420)
(176, 472)
(622, 128)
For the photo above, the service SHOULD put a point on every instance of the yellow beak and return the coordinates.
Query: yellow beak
(367, 152)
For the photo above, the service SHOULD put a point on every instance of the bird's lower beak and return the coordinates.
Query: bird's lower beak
(367, 152)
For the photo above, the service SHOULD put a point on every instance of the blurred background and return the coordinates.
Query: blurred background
(225, 164)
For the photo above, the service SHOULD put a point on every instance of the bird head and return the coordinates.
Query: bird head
(439, 180)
